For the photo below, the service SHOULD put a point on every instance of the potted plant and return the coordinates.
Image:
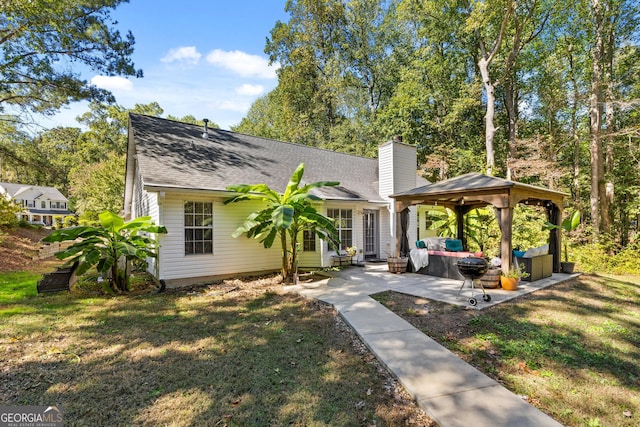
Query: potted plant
(569, 224)
(510, 280)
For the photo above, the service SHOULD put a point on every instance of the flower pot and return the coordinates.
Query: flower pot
(567, 267)
(397, 264)
(509, 283)
(491, 278)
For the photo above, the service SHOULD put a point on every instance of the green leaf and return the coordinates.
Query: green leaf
(126, 249)
(294, 181)
(572, 221)
(283, 217)
(111, 221)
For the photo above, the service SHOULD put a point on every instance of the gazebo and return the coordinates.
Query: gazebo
(473, 190)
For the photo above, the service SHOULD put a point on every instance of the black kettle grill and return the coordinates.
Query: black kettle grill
(473, 268)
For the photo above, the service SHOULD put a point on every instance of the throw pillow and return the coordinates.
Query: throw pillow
(420, 244)
(453, 245)
(518, 254)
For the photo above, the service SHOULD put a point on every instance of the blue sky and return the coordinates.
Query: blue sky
(204, 58)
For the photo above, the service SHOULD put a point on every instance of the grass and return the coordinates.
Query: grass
(16, 286)
(572, 350)
(235, 354)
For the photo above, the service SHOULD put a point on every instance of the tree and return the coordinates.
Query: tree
(488, 46)
(108, 126)
(285, 216)
(105, 246)
(40, 41)
(98, 186)
(8, 211)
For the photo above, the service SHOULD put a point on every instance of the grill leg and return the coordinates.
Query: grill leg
(462, 286)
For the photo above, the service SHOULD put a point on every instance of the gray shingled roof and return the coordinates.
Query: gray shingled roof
(174, 154)
(49, 193)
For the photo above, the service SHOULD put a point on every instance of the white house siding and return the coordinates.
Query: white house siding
(358, 226)
(230, 256)
(397, 164)
(144, 202)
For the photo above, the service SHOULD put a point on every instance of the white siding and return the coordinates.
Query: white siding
(387, 243)
(397, 163)
(230, 256)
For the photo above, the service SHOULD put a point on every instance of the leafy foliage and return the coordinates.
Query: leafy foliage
(8, 211)
(285, 217)
(107, 245)
(39, 39)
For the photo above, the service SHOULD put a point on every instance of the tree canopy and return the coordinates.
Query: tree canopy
(541, 91)
(44, 44)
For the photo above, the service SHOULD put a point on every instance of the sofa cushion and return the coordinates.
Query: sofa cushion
(530, 253)
(534, 252)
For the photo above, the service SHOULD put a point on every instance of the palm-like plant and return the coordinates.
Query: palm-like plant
(569, 224)
(104, 246)
(285, 216)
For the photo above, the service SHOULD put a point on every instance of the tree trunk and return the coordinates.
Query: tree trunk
(511, 102)
(595, 115)
(490, 130)
(574, 130)
(608, 199)
(285, 256)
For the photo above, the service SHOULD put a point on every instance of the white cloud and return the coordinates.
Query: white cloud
(184, 54)
(112, 83)
(251, 90)
(243, 63)
(232, 105)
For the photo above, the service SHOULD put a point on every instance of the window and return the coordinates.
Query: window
(344, 224)
(43, 204)
(198, 228)
(58, 205)
(308, 241)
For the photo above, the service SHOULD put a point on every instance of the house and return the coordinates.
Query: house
(178, 174)
(40, 205)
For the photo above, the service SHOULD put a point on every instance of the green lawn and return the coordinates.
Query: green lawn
(573, 350)
(17, 286)
(228, 356)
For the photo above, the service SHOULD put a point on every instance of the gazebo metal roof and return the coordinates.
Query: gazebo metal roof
(473, 190)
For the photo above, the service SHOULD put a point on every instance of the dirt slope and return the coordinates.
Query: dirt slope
(19, 246)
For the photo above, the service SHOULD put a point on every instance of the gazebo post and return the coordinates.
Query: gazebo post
(398, 234)
(460, 225)
(554, 215)
(506, 249)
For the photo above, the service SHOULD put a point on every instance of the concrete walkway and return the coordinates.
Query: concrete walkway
(450, 390)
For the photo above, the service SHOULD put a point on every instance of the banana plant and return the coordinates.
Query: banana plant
(104, 246)
(285, 216)
(569, 224)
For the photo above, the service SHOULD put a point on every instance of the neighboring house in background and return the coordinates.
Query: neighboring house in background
(178, 174)
(39, 204)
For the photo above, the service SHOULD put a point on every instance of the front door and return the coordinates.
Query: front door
(371, 245)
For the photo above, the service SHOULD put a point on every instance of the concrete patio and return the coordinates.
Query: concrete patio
(451, 391)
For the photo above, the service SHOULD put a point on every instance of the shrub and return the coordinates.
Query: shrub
(70, 221)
